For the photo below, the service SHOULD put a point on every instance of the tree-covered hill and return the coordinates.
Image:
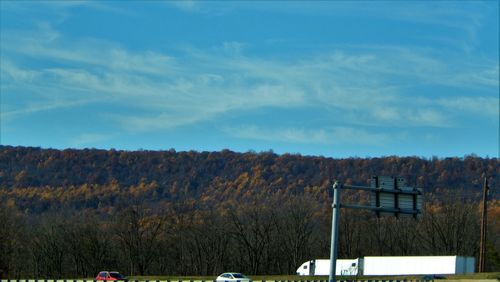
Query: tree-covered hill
(194, 171)
(192, 213)
(39, 180)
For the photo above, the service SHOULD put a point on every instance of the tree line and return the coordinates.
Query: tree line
(268, 235)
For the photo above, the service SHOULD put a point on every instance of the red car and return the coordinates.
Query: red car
(110, 276)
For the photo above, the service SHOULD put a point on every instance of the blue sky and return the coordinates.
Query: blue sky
(330, 78)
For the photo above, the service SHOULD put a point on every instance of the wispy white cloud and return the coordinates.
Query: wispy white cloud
(487, 76)
(366, 87)
(45, 43)
(187, 5)
(10, 113)
(14, 73)
(85, 140)
(290, 135)
(448, 13)
(233, 47)
(208, 8)
(160, 121)
(425, 117)
(480, 106)
(340, 135)
(60, 10)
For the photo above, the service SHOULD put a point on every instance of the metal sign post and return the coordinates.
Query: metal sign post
(335, 231)
(484, 217)
(391, 196)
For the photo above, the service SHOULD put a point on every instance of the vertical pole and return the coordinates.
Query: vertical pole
(335, 231)
(482, 243)
(375, 184)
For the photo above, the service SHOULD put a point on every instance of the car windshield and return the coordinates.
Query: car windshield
(238, 275)
(116, 275)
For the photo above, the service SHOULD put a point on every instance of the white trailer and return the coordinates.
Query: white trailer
(321, 267)
(417, 265)
(403, 265)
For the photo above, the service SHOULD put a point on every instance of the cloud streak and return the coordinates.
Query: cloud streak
(239, 82)
(331, 136)
(369, 86)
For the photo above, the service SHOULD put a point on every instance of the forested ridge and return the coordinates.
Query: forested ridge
(168, 212)
(192, 173)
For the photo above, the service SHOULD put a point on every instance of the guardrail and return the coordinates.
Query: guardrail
(187, 280)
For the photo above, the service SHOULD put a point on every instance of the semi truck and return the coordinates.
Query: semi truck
(320, 267)
(390, 265)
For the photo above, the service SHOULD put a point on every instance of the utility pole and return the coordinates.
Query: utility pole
(484, 219)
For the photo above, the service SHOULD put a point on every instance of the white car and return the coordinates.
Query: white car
(233, 277)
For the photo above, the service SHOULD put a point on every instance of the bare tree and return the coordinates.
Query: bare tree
(90, 245)
(48, 247)
(450, 228)
(210, 239)
(138, 234)
(353, 233)
(295, 223)
(10, 239)
(251, 226)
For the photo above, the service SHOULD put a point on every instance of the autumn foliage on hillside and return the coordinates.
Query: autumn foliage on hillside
(174, 175)
(71, 213)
